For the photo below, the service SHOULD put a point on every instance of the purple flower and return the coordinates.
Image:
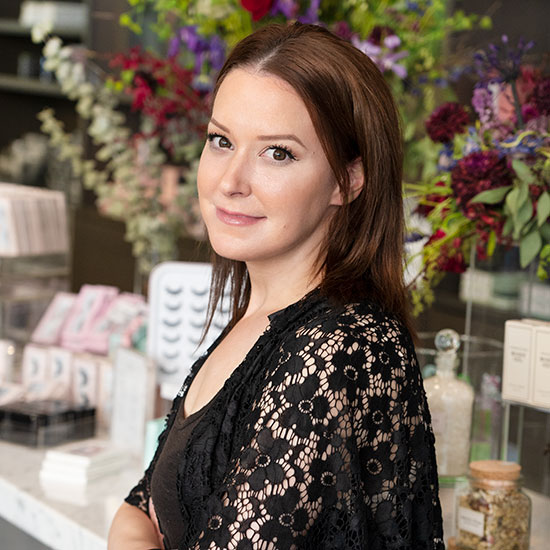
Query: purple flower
(211, 50)
(217, 52)
(501, 63)
(367, 47)
(483, 103)
(174, 46)
(392, 41)
(446, 162)
(288, 8)
(343, 30)
(385, 58)
(312, 13)
(472, 142)
(528, 145)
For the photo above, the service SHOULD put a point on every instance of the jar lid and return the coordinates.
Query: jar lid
(495, 469)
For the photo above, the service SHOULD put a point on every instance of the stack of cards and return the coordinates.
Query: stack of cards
(79, 462)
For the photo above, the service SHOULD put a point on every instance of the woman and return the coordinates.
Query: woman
(305, 425)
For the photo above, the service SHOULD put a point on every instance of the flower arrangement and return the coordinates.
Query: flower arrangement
(129, 173)
(406, 39)
(169, 91)
(491, 183)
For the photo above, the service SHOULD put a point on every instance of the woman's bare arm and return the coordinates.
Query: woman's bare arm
(132, 530)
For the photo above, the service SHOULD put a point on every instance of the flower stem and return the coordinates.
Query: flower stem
(517, 104)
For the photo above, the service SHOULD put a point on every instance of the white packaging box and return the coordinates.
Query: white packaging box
(85, 380)
(133, 398)
(516, 372)
(61, 361)
(540, 387)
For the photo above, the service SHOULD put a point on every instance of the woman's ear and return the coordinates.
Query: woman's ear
(356, 177)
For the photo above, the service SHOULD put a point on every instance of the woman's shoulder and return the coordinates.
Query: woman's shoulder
(358, 334)
(360, 321)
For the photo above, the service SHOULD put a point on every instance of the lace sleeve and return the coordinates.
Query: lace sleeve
(337, 452)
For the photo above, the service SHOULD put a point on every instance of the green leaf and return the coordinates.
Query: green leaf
(508, 226)
(523, 171)
(523, 216)
(491, 244)
(512, 201)
(523, 193)
(544, 231)
(529, 247)
(543, 208)
(492, 196)
(525, 212)
(543, 269)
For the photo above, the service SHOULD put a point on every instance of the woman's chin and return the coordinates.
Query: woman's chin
(230, 251)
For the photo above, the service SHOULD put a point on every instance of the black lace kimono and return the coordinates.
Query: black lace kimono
(320, 439)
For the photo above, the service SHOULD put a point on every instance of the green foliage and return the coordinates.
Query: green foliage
(492, 196)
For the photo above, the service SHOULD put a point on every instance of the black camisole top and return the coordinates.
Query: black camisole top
(164, 487)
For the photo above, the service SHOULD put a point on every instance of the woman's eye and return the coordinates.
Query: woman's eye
(219, 141)
(280, 154)
(223, 142)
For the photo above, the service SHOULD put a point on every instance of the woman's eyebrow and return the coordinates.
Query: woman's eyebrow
(220, 126)
(291, 137)
(270, 137)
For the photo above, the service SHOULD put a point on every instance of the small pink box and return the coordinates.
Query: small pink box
(48, 330)
(92, 300)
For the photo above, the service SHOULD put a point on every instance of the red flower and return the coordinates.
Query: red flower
(477, 172)
(541, 97)
(425, 209)
(451, 258)
(258, 8)
(446, 121)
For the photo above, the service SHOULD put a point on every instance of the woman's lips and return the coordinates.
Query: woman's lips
(235, 218)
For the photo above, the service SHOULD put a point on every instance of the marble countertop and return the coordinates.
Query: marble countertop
(64, 519)
(80, 519)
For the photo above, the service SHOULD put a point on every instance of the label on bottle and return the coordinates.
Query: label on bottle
(471, 521)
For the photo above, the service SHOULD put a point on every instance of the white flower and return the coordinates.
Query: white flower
(40, 31)
(53, 46)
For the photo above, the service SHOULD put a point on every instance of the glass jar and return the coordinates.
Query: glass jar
(492, 511)
(450, 401)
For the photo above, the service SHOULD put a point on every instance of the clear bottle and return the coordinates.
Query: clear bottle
(493, 513)
(450, 401)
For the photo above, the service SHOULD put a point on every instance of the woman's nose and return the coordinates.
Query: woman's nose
(236, 176)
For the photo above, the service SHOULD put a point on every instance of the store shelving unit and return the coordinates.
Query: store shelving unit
(25, 89)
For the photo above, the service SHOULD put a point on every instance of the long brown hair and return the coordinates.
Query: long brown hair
(355, 117)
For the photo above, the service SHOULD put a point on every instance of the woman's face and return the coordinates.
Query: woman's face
(266, 189)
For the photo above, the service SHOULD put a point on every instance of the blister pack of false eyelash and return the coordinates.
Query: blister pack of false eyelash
(178, 304)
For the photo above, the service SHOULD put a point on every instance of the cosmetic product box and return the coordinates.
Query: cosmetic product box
(45, 422)
(526, 368)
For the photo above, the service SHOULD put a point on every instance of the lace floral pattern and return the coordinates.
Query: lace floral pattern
(320, 439)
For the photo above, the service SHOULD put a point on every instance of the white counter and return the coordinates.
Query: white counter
(79, 520)
(83, 523)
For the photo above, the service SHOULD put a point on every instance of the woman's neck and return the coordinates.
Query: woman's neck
(272, 290)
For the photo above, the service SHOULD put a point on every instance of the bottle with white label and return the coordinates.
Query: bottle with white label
(492, 511)
(450, 401)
